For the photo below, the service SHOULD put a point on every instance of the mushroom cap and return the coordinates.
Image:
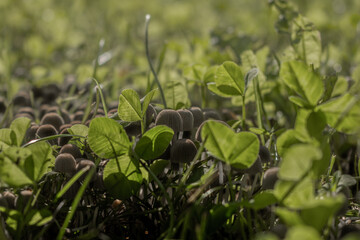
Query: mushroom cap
(170, 118)
(64, 140)
(133, 129)
(22, 98)
(183, 151)
(24, 197)
(26, 115)
(228, 115)
(54, 119)
(31, 131)
(28, 110)
(270, 178)
(197, 115)
(211, 114)
(255, 168)
(10, 198)
(187, 119)
(65, 163)
(264, 154)
(82, 164)
(3, 202)
(150, 114)
(50, 92)
(46, 131)
(2, 105)
(72, 149)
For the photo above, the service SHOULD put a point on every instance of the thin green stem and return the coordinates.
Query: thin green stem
(258, 106)
(147, 20)
(243, 122)
(171, 206)
(75, 204)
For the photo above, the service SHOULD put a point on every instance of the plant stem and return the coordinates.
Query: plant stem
(147, 20)
(166, 195)
(243, 123)
(75, 204)
(258, 106)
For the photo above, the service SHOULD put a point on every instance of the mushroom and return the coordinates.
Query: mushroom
(65, 163)
(82, 164)
(54, 119)
(23, 199)
(183, 151)
(188, 122)
(172, 119)
(270, 178)
(10, 198)
(264, 154)
(211, 114)
(197, 115)
(72, 149)
(46, 131)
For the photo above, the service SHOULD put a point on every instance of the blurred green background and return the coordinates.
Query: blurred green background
(42, 41)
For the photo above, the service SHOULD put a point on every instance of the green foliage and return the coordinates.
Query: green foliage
(301, 79)
(107, 138)
(154, 142)
(237, 149)
(229, 79)
(122, 177)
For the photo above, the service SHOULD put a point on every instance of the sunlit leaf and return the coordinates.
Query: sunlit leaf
(107, 138)
(122, 177)
(129, 108)
(154, 142)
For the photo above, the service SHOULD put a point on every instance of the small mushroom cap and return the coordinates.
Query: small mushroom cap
(10, 198)
(78, 116)
(198, 132)
(26, 115)
(170, 118)
(187, 119)
(28, 110)
(3, 202)
(2, 105)
(133, 129)
(255, 168)
(24, 197)
(228, 115)
(150, 114)
(270, 178)
(22, 98)
(64, 140)
(31, 131)
(183, 151)
(50, 92)
(46, 131)
(54, 119)
(72, 149)
(197, 115)
(82, 164)
(65, 163)
(211, 114)
(264, 154)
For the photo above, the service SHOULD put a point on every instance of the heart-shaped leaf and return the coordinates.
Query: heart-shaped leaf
(19, 126)
(229, 79)
(237, 149)
(129, 108)
(122, 177)
(305, 82)
(107, 138)
(154, 142)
